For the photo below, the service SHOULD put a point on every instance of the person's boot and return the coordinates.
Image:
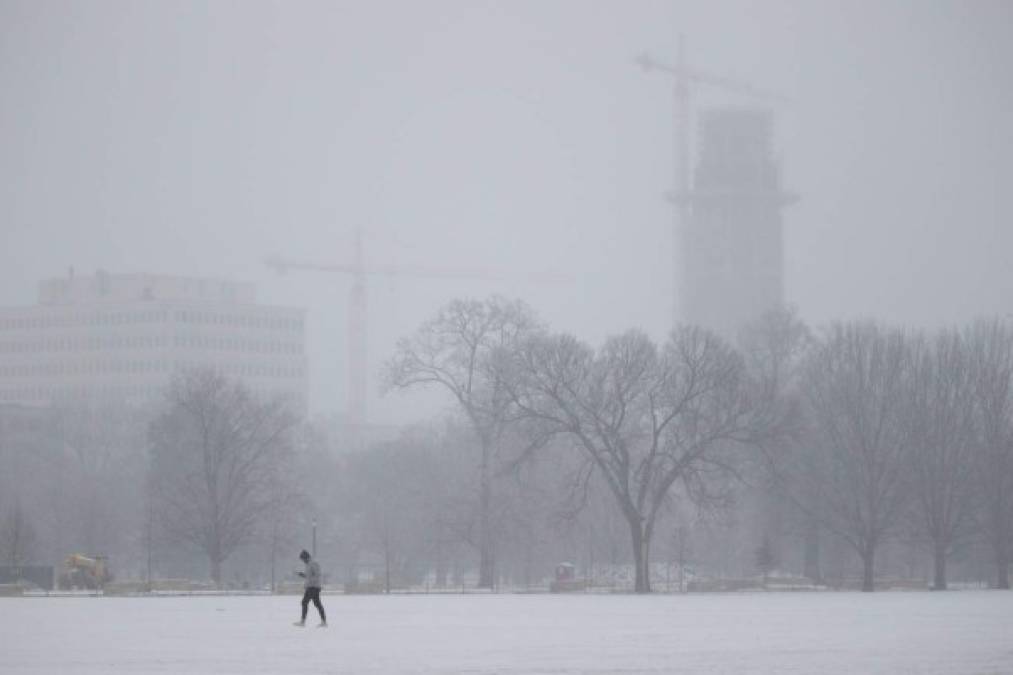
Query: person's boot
(322, 624)
(300, 623)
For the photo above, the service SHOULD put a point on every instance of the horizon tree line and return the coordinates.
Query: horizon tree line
(871, 434)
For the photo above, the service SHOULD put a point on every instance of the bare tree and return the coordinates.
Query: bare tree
(286, 501)
(991, 346)
(643, 419)
(103, 465)
(215, 454)
(851, 476)
(387, 502)
(775, 347)
(940, 426)
(148, 535)
(30, 454)
(455, 351)
(17, 536)
(766, 559)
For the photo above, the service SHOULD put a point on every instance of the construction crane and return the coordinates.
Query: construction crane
(357, 322)
(684, 76)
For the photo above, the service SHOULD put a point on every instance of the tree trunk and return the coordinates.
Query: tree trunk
(386, 552)
(441, 558)
(812, 554)
(1002, 562)
(274, 552)
(386, 570)
(939, 560)
(527, 564)
(352, 567)
(149, 542)
(868, 575)
(641, 556)
(486, 567)
(441, 570)
(486, 553)
(216, 571)
(273, 566)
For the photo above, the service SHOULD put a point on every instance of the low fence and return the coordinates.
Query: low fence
(186, 587)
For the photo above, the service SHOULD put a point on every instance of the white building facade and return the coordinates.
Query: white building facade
(122, 337)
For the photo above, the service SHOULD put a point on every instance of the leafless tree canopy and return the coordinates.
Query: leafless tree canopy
(939, 423)
(853, 472)
(456, 351)
(871, 446)
(991, 345)
(644, 418)
(215, 456)
(17, 536)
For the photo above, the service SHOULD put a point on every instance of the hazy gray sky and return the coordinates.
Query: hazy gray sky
(191, 138)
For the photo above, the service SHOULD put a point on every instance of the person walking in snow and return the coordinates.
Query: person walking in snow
(312, 586)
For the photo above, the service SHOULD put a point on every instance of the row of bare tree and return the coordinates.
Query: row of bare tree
(903, 433)
(221, 466)
(210, 469)
(869, 431)
(66, 480)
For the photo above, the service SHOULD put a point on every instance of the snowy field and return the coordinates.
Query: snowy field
(812, 633)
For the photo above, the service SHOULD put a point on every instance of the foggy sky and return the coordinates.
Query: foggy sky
(194, 139)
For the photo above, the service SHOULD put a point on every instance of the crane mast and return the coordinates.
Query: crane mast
(357, 343)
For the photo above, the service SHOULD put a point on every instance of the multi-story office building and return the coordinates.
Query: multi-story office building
(121, 338)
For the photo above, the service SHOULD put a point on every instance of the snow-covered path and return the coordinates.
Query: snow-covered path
(812, 633)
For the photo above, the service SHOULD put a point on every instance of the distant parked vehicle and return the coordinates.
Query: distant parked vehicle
(566, 580)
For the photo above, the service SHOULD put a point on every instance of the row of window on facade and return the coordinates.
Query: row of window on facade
(42, 394)
(39, 394)
(238, 320)
(187, 316)
(94, 343)
(85, 368)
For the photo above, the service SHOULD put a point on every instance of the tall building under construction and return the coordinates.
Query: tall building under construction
(731, 266)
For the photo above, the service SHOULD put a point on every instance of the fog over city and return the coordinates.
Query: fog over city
(340, 299)
(520, 138)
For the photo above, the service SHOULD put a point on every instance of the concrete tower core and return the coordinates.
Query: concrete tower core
(731, 267)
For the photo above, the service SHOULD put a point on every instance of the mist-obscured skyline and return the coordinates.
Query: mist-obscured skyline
(193, 139)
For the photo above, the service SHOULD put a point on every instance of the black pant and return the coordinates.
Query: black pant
(312, 593)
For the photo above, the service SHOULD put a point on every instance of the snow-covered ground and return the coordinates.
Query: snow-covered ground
(812, 633)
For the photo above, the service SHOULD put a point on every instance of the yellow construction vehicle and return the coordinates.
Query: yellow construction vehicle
(82, 572)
